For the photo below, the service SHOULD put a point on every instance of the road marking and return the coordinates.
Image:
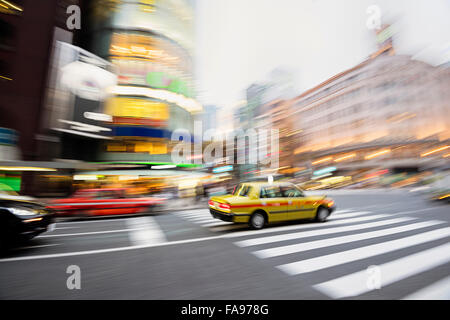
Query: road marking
(202, 219)
(348, 215)
(237, 234)
(342, 211)
(204, 222)
(413, 211)
(419, 188)
(65, 228)
(118, 249)
(300, 247)
(217, 223)
(191, 211)
(84, 233)
(145, 203)
(230, 226)
(91, 221)
(194, 212)
(334, 259)
(306, 226)
(437, 291)
(145, 230)
(393, 271)
(193, 215)
(38, 246)
(320, 232)
(223, 236)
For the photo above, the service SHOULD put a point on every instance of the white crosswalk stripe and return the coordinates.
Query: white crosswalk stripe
(356, 283)
(437, 291)
(202, 217)
(345, 232)
(145, 230)
(342, 211)
(300, 247)
(334, 259)
(348, 215)
(306, 234)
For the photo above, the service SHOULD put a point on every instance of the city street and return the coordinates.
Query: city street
(396, 239)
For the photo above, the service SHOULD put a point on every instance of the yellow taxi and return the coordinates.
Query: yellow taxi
(261, 203)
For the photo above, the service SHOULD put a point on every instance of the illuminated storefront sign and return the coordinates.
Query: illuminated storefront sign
(161, 80)
(223, 169)
(137, 111)
(173, 19)
(148, 60)
(139, 147)
(324, 171)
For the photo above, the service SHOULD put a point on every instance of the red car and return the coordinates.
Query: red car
(102, 202)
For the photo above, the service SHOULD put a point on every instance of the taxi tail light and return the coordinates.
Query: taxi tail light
(211, 203)
(224, 206)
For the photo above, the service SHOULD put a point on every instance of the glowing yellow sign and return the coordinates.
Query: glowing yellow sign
(137, 108)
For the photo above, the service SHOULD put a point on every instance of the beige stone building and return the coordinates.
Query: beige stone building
(389, 103)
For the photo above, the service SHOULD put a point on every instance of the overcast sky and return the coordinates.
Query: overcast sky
(240, 41)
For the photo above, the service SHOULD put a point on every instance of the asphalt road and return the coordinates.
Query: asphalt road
(377, 245)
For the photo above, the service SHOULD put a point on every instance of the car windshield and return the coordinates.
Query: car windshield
(245, 191)
(236, 189)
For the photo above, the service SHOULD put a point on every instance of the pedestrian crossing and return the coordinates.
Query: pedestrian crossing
(203, 218)
(405, 246)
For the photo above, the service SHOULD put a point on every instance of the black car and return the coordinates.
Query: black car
(21, 219)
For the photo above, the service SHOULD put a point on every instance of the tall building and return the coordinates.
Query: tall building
(150, 45)
(28, 29)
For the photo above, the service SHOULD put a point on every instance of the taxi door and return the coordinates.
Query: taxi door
(299, 207)
(274, 203)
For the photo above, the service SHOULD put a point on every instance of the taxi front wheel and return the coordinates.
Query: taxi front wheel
(322, 214)
(257, 220)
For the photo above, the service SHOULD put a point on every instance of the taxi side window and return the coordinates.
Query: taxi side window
(236, 189)
(291, 192)
(245, 191)
(270, 192)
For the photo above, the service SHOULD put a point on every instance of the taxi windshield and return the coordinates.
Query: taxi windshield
(236, 189)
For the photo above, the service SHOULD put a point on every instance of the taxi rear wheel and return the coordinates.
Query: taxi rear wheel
(322, 214)
(257, 220)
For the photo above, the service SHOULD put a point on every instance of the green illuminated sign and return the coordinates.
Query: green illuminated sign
(160, 80)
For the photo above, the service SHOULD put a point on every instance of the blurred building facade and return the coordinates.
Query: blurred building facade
(274, 116)
(28, 30)
(387, 111)
(150, 45)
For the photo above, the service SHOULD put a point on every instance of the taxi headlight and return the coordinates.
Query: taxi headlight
(329, 203)
(23, 212)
